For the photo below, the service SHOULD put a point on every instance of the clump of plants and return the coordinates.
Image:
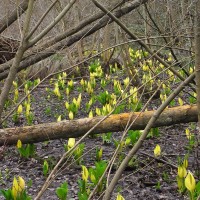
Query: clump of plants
(17, 192)
(25, 151)
(90, 179)
(186, 181)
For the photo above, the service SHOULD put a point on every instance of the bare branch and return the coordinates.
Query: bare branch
(48, 28)
(133, 36)
(32, 59)
(150, 124)
(41, 19)
(19, 10)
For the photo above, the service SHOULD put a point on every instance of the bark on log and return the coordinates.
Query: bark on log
(76, 128)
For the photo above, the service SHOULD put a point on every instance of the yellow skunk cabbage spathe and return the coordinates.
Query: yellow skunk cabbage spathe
(59, 118)
(190, 182)
(18, 186)
(182, 171)
(71, 142)
(19, 109)
(19, 144)
(85, 173)
(71, 115)
(120, 197)
(157, 150)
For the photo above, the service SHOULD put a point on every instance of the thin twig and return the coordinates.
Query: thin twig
(136, 147)
(56, 20)
(41, 19)
(133, 36)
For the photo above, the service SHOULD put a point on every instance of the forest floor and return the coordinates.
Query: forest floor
(147, 177)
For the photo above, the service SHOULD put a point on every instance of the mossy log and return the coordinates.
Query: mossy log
(76, 128)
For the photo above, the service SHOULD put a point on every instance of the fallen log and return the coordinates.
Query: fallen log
(76, 128)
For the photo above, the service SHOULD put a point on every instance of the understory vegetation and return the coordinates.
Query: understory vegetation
(100, 100)
(99, 94)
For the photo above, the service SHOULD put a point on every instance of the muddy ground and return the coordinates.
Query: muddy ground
(147, 178)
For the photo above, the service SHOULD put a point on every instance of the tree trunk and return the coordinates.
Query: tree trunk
(15, 65)
(197, 73)
(76, 128)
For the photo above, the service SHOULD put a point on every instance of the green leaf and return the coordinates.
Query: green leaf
(134, 135)
(45, 168)
(198, 188)
(62, 191)
(82, 196)
(7, 194)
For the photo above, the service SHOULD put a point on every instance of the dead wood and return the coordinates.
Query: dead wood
(59, 43)
(76, 128)
(8, 49)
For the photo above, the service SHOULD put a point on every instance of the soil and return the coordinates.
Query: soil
(147, 178)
